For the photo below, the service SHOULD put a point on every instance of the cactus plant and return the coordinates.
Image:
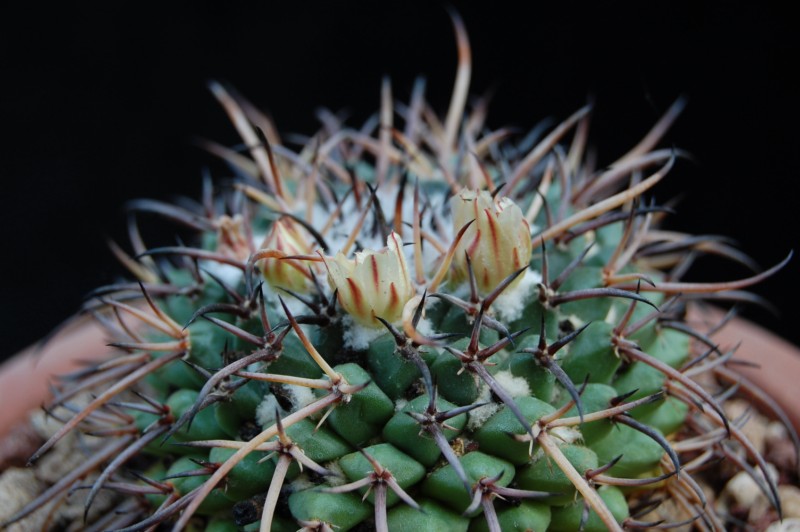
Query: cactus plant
(420, 324)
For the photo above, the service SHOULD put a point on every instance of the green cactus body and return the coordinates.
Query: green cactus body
(399, 332)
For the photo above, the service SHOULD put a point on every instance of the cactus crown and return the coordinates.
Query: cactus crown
(419, 324)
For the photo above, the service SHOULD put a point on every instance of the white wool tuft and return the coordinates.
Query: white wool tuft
(358, 337)
(479, 416)
(338, 478)
(346, 226)
(611, 317)
(265, 412)
(564, 435)
(227, 273)
(300, 396)
(510, 304)
(425, 327)
(399, 404)
(515, 386)
(302, 482)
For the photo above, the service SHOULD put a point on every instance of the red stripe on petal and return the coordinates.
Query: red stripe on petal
(495, 238)
(355, 296)
(394, 298)
(375, 276)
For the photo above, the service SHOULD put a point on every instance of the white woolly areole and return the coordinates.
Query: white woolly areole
(611, 317)
(228, 274)
(300, 483)
(565, 435)
(265, 412)
(338, 478)
(510, 304)
(515, 386)
(300, 396)
(358, 337)
(425, 327)
(479, 416)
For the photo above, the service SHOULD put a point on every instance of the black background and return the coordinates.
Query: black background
(99, 105)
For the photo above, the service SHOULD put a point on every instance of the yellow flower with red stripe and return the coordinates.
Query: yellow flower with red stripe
(285, 240)
(498, 242)
(373, 283)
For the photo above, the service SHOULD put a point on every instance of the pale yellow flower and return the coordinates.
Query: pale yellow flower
(498, 242)
(285, 240)
(374, 283)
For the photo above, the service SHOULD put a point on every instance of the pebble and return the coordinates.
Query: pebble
(17, 487)
(790, 501)
(787, 525)
(756, 427)
(744, 489)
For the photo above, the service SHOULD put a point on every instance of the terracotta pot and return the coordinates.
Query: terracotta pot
(770, 362)
(25, 378)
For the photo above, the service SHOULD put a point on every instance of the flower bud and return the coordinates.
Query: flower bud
(231, 237)
(285, 240)
(498, 242)
(374, 283)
